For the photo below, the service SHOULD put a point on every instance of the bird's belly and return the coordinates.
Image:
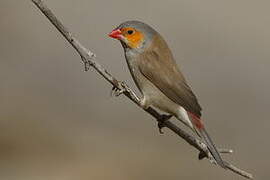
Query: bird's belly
(154, 97)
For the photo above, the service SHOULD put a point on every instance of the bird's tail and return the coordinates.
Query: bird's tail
(204, 135)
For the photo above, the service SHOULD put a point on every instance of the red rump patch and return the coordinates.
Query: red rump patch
(196, 121)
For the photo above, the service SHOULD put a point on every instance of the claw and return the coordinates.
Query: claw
(161, 121)
(116, 91)
(160, 127)
(202, 155)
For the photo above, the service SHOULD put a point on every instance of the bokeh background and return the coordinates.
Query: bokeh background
(58, 122)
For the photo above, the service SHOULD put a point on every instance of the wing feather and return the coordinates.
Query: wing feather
(158, 66)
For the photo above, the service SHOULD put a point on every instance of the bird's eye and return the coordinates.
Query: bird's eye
(130, 32)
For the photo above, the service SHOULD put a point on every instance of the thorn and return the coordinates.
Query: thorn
(87, 64)
(225, 151)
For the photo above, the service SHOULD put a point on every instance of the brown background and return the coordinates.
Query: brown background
(59, 123)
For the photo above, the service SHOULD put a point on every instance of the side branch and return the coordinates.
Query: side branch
(89, 60)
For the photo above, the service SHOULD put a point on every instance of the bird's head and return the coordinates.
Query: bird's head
(133, 34)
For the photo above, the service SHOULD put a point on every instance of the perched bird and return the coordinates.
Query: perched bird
(157, 76)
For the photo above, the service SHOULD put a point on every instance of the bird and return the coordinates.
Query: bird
(158, 78)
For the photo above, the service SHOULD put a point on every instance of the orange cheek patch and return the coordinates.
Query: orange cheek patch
(135, 39)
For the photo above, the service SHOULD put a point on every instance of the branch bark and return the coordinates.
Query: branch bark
(89, 60)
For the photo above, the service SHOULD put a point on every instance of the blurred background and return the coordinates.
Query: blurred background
(58, 122)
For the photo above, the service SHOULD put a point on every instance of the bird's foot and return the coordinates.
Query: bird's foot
(208, 155)
(117, 91)
(161, 121)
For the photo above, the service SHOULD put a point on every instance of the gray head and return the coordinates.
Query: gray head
(134, 34)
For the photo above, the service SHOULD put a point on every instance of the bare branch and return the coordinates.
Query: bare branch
(89, 60)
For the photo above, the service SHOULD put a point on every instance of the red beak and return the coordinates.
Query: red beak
(116, 34)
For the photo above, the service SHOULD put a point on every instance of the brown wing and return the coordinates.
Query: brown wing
(158, 66)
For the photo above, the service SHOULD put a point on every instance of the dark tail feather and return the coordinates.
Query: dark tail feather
(211, 147)
(200, 129)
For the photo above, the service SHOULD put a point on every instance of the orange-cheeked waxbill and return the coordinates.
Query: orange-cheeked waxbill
(158, 78)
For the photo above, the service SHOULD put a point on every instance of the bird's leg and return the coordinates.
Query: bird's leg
(161, 121)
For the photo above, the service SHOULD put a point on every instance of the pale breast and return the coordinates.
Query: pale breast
(137, 76)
